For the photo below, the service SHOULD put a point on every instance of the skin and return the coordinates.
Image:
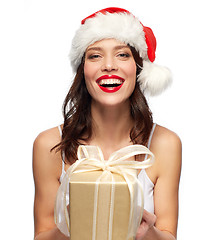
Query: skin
(112, 124)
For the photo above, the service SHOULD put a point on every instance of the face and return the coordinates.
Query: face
(110, 72)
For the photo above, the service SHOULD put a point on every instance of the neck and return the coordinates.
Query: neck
(111, 126)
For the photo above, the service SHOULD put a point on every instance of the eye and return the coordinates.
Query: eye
(94, 56)
(124, 55)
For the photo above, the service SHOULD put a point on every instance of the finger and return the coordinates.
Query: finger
(142, 230)
(149, 218)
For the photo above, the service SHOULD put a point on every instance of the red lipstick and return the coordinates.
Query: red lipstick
(101, 81)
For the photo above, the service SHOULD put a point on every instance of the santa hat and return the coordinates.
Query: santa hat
(120, 24)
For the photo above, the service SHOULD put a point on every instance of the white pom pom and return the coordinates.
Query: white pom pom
(154, 79)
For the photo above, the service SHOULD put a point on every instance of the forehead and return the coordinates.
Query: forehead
(107, 44)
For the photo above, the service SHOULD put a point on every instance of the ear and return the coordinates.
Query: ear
(153, 78)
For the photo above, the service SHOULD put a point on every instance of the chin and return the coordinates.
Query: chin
(112, 102)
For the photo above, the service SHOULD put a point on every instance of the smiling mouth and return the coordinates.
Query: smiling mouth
(110, 83)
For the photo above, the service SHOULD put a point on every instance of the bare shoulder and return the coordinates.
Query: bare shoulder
(167, 148)
(165, 136)
(48, 138)
(43, 157)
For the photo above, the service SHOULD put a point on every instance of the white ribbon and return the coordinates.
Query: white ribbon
(90, 158)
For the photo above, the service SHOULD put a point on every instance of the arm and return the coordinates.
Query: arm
(46, 171)
(163, 225)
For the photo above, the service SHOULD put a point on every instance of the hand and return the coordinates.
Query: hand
(148, 221)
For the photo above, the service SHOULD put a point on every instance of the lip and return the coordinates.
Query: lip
(113, 89)
(109, 77)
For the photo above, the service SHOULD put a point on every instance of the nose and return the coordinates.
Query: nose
(109, 64)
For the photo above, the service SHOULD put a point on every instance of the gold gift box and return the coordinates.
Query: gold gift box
(83, 225)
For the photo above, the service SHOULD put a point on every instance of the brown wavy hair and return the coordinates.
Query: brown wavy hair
(77, 114)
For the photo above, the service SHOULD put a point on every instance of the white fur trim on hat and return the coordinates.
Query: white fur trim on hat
(121, 26)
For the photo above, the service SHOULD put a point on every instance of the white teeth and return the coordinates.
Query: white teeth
(110, 81)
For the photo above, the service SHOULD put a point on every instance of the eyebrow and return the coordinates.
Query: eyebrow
(99, 48)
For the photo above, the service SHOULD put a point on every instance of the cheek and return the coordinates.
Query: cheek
(131, 71)
(87, 72)
(89, 75)
(90, 71)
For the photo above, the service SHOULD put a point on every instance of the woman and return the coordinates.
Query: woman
(112, 54)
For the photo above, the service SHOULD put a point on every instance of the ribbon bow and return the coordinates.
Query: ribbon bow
(90, 158)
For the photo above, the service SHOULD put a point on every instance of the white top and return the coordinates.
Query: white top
(148, 186)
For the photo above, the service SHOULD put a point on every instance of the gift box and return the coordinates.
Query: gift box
(102, 195)
(102, 214)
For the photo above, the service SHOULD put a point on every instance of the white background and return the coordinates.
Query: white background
(35, 76)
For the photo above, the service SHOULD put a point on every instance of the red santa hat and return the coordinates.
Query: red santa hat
(120, 24)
